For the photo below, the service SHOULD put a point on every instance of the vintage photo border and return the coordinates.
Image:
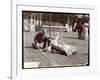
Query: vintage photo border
(15, 71)
(76, 65)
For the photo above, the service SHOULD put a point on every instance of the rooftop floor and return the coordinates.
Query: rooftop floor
(48, 59)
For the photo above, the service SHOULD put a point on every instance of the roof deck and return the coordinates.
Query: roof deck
(47, 59)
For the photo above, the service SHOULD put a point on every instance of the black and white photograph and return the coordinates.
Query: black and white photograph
(55, 39)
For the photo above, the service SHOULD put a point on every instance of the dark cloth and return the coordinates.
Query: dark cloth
(46, 41)
(39, 37)
(42, 37)
(79, 27)
(80, 30)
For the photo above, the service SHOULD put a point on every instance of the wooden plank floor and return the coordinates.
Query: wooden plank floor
(48, 59)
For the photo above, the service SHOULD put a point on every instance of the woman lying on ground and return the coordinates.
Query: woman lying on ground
(65, 49)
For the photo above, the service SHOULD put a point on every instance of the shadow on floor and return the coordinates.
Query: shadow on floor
(28, 47)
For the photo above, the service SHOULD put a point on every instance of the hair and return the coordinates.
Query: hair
(44, 30)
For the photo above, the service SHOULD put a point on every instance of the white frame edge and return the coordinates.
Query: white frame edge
(17, 72)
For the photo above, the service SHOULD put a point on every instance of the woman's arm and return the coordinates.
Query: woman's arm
(57, 36)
